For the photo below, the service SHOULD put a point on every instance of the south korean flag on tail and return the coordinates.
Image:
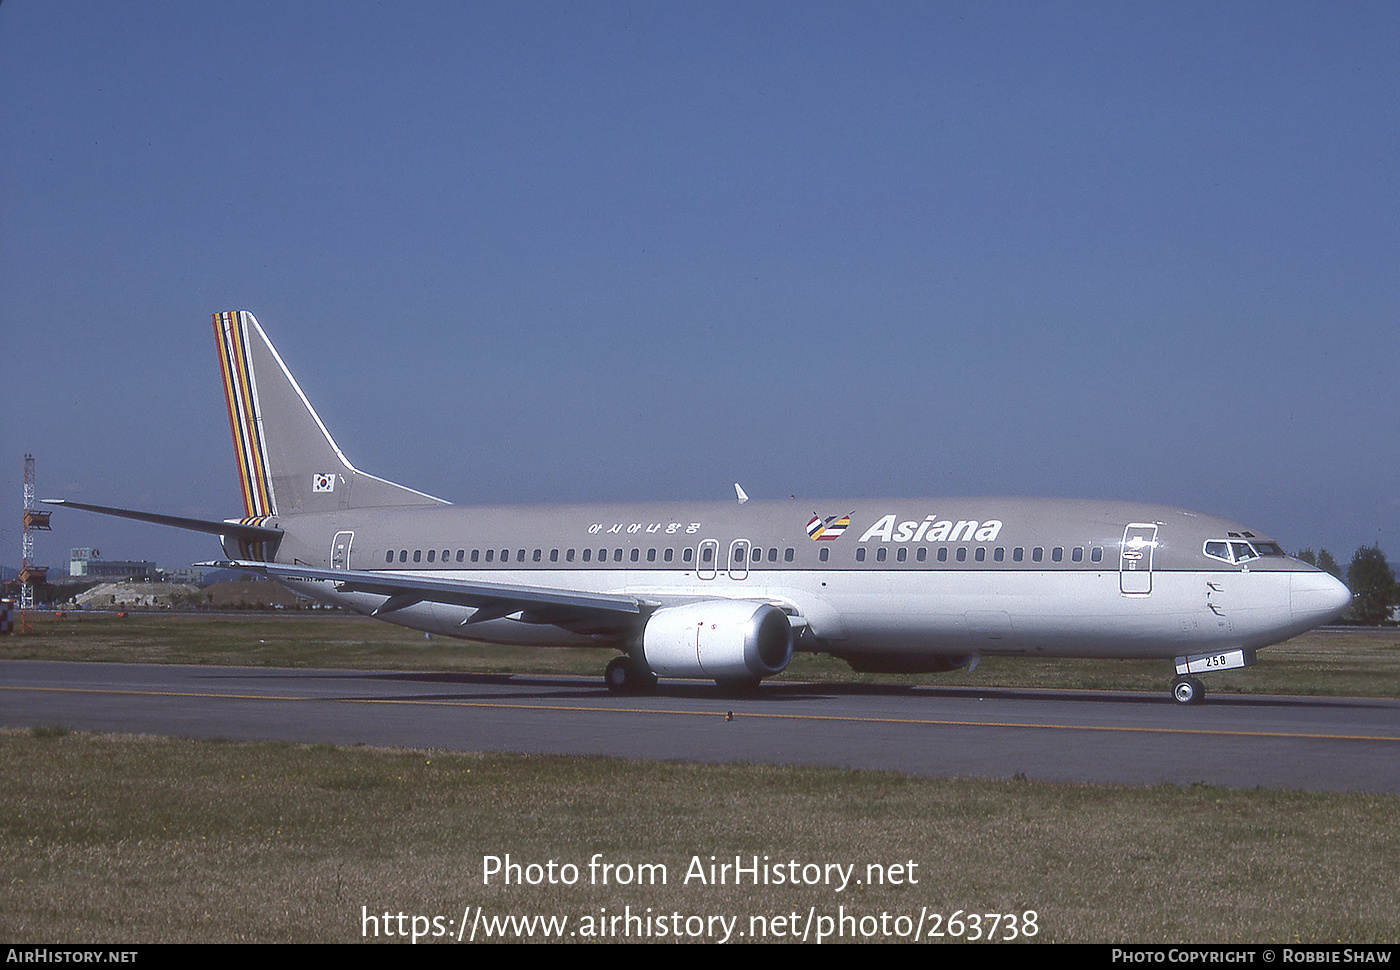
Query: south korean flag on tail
(323, 482)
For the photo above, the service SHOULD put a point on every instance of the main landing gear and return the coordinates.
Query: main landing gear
(1188, 690)
(624, 675)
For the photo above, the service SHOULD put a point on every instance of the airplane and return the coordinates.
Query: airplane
(727, 591)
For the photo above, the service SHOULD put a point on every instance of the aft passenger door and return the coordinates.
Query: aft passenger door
(340, 550)
(1135, 560)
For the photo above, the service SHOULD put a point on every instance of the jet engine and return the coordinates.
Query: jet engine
(731, 641)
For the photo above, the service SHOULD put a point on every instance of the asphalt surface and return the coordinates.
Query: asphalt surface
(1313, 743)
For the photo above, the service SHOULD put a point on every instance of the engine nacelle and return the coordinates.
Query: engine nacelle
(724, 640)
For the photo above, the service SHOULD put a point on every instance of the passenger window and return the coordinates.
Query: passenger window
(880, 554)
(707, 555)
(476, 555)
(825, 554)
(445, 554)
(1000, 554)
(587, 555)
(922, 554)
(389, 556)
(603, 555)
(461, 554)
(554, 555)
(636, 554)
(860, 554)
(403, 555)
(432, 554)
(962, 553)
(490, 555)
(1018, 554)
(418, 555)
(617, 555)
(1077, 554)
(903, 554)
(568, 555)
(669, 555)
(787, 555)
(651, 555)
(942, 553)
(538, 555)
(687, 554)
(981, 554)
(1058, 554)
(1037, 554)
(1097, 554)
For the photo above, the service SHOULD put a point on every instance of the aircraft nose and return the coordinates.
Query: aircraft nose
(1318, 597)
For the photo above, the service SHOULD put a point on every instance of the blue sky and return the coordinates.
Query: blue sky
(556, 252)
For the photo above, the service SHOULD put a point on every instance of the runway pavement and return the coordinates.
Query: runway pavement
(1085, 736)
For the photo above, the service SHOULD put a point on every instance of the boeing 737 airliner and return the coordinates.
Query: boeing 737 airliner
(727, 591)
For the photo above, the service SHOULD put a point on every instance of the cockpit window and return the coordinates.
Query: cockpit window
(1218, 549)
(1236, 551)
(1243, 552)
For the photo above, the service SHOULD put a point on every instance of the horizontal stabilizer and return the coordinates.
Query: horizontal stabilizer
(237, 530)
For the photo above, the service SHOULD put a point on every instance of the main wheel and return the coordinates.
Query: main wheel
(1188, 690)
(627, 676)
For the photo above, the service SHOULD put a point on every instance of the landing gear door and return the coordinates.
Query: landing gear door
(1135, 562)
(340, 550)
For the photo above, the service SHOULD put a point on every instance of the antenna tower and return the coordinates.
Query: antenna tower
(30, 575)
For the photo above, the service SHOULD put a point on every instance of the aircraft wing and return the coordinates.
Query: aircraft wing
(536, 604)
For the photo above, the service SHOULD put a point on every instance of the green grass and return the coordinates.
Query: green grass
(123, 839)
(133, 839)
(1363, 663)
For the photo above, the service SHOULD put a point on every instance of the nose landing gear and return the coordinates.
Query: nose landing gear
(1188, 690)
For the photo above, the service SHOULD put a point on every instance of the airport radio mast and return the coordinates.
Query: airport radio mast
(30, 575)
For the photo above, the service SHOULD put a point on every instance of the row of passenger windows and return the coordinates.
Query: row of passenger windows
(709, 550)
(586, 555)
(1018, 554)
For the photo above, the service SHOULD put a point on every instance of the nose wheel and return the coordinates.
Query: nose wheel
(1188, 690)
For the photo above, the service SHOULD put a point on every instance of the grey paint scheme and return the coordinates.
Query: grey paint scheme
(950, 608)
(332, 545)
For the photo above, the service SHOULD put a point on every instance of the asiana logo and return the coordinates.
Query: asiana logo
(831, 527)
(932, 529)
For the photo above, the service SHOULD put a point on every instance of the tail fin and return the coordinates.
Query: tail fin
(287, 461)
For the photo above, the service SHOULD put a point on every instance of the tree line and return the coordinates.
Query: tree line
(1370, 578)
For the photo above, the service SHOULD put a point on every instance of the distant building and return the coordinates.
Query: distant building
(87, 563)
